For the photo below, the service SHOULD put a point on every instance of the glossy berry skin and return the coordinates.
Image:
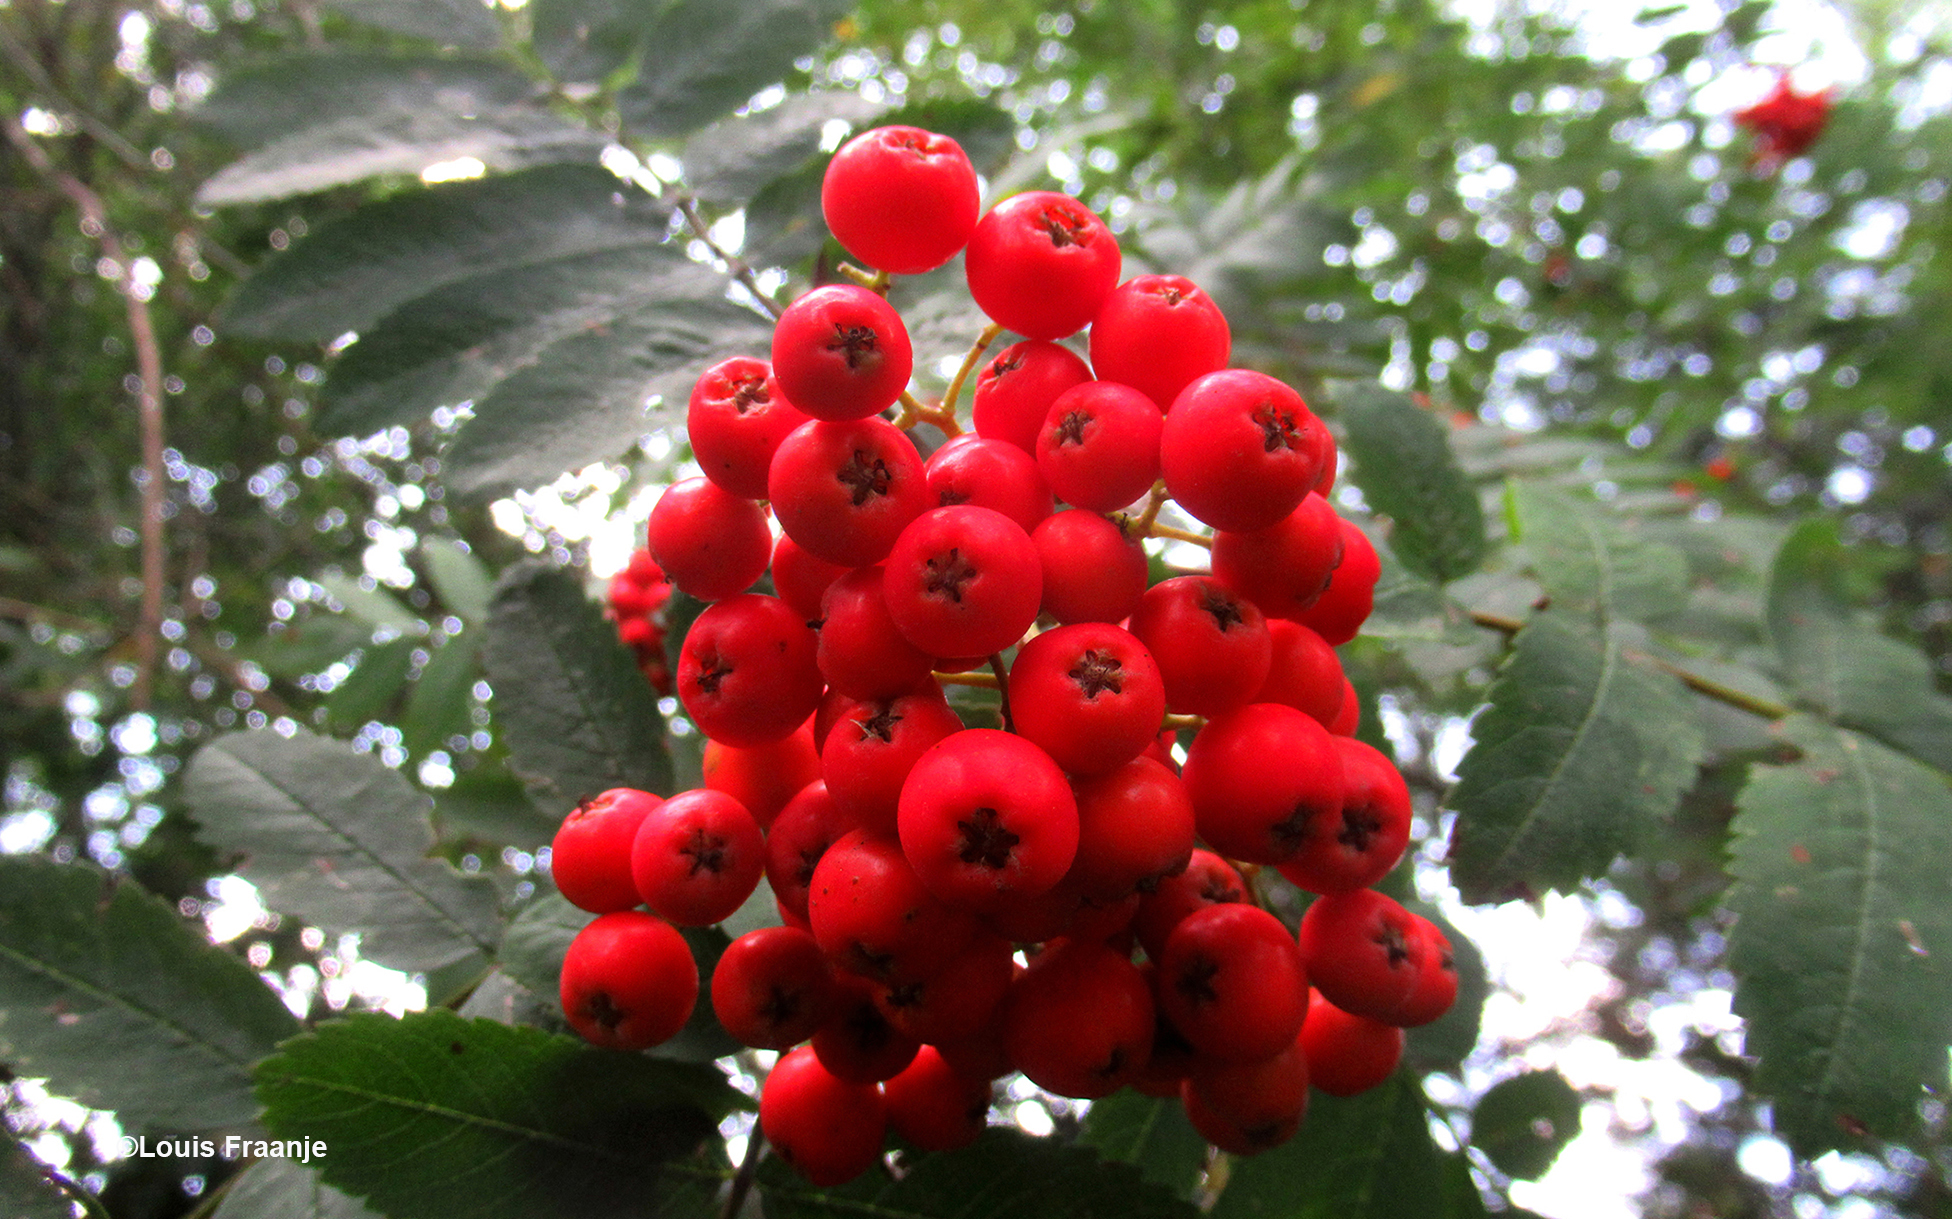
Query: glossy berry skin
(1338, 614)
(763, 777)
(1211, 644)
(800, 578)
(1079, 1020)
(1157, 333)
(990, 474)
(845, 491)
(901, 199)
(841, 352)
(957, 1000)
(697, 857)
(1245, 1108)
(1093, 571)
(963, 581)
(1359, 845)
(772, 988)
(710, 542)
(1135, 829)
(987, 818)
(863, 654)
(747, 673)
(809, 824)
(1014, 391)
(934, 1106)
(1348, 1054)
(1249, 809)
(1041, 264)
(829, 1130)
(1099, 445)
(628, 981)
(1364, 951)
(1208, 880)
(590, 856)
(1237, 451)
(1306, 674)
(1230, 979)
(1089, 695)
(1285, 568)
(857, 1043)
(735, 419)
(874, 917)
(871, 749)
(1435, 989)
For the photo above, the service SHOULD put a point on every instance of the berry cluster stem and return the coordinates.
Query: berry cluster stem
(1153, 503)
(969, 362)
(1179, 535)
(1002, 691)
(914, 412)
(873, 281)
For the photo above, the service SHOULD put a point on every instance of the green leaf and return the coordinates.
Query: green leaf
(1129, 1127)
(454, 23)
(379, 611)
(1580, 750)
(1366, 1157)
(312, 643)
(986, 131)
(370, 689)
(433, 1115)
(336, 837)
(735, 157)
(588, 397)
(578, 716)
(356, 270)
(404, 141)
(26, 1190)
(488, 804)
(1842, 946)
(122, 1005)
(286, 1189)
(1524, 1122)
(1006, 1174)
(532, 949)
(1444, 1043)
(1405, 467)
(1842, 668)
(441, 705)
(704, 58)
(587, 40)
(258, 105)
(459, 577)
(1589, 560)
(783, 221)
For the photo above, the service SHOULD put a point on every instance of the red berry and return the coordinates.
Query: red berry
(863, 654)
(870, 750)
(772, 988)
(857, 1043)
(1079, 1020)
(957, 1000)
(841, 352)
(1306, 674)
(1156, 333)
(1089, 695)
(763, 777)
(1135, 829)
(1014, 391)
(844, 491)
(1041, 264)
(747, 673)
(1211, 645)
(809, 824)
(1338, 614)
(1237, 450)
(829, 1130)
(936, 1107)
(697, 857)
(628, 981)
(990, 474)
(1364, 951)
(712, 543)
(736, 418)
(1093, 570)
(1248, 809)
(901, 199)
(1436, 985)
(1246, 1108)
(590, 857)
(1346, 1053)
(986, 817)
(1285, 568)
(1231, 981)
(1099, 445)
(801, 578)
(963, 581)
(1207, 881)
(874, 917)
(1360, 845)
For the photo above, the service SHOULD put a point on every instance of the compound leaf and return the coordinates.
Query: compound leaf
(107, 992)
(1842, 948)
(434, 1115)
(335, 836)
(1405, 467)
(1589, 560)
(587, 40)
(1579, 751)
(734, 157)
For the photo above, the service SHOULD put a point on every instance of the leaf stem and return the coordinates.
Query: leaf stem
(741, 270)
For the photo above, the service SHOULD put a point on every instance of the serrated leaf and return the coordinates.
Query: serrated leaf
(588, 398)
(357, 269)
(1842, 946)
(286, 1189)
(1006, 1174)
(1129, 1127)
(1369, 1156)
(1589, 560)
(377, 610)
(386, 142)
(464, 584)
(1840, 667)
(26, 1191)
(457, 343)
(431, 1115)
(441, 704)
(373, 684)
(1579, 752)
(1405, 467)
(257, 105)
(735, 157)
(505, 1001)
(578, 716)
(587, 40)
(532, 949)
(337, 837)
(1524, 1122)
(704, 58)
(453, 23)
(489, 804)
(122, 1005)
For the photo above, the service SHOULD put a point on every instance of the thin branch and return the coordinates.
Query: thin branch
(1704, 686)
(741, 269)
(747, 1174)
(149, 372)
(35, 71)
(26, 611)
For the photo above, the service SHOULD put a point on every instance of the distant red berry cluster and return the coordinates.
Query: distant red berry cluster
(1786, 122)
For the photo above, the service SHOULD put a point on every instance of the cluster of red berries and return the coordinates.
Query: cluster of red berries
(956, 902)
(637, 596)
